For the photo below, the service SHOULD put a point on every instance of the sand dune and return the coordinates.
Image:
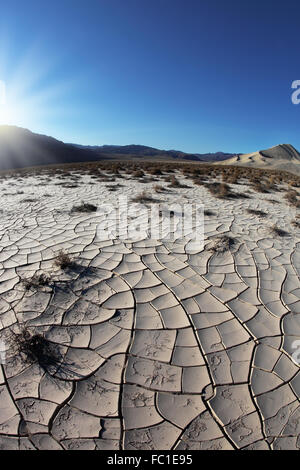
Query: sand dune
(281, 157)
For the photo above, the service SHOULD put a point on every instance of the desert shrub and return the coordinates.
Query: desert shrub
(63, 260)
(222, 244)
(37, 280)
(271, 182)
(35, 348)
(219, 190)
(174, 183)
(224, 175)
(159, 189)
(292, 198)
(84, 207)
(232, 179)
(155, 171)
(278, 231)
(260, 187)
(143, 198)
(295, 223)
(138, 174)
(257, 212)
(208, 212)
(29, 199)
(209, 171)
(112, 187)
(199, 180)
(273, 201)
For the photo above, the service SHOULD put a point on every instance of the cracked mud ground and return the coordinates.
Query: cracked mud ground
(157, 348)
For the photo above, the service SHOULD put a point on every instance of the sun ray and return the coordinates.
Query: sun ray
(28, 94)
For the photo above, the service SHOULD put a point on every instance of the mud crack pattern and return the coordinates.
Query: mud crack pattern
(160, 349)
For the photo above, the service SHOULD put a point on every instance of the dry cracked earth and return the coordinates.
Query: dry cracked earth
(153, 347)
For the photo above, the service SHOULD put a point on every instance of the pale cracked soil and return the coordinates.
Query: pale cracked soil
(157, 348)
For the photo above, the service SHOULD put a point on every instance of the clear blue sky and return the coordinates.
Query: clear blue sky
(194, 75)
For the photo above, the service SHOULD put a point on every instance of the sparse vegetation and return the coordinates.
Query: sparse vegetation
(36, 281)
(292, 198)
(208, 212)
(222, 244)
(273, 201)
(219, 190)
(260, 187)
(174, 183)
(295, 223)
(159, 189)
(84, 207)
(112, 187)
(155, 171)
(278, 231)
(29, 199)
(191, 169)
(34, 348)
(257, 212)
(63, 260)
(230, 177)
(294, 184)
(199, 180)
(138, 174)
(143, 198)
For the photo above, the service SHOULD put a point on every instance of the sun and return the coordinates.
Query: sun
(12, 113)
(30, 93)
(23, 107)
(12, 110)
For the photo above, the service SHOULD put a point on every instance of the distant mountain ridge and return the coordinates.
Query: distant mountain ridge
(144, 151)
(21, 148)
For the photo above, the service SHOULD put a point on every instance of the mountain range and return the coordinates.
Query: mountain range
(141, 151)
(21, 148)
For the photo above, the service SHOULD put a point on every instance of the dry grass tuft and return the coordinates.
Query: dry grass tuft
(112, 187)
(222, 244)
(34, 348)
(159, 189)
(260, 187)
(174, 183)
(36, 281)
(138, 174)
(295, 223)
(199, 180)
(291, 197)
(63, 260)
(257, 212)
(278, 231)
(84, 207)
(219, 190)
(143, 197)
(208, 212)
(155, 171)
(29, 199)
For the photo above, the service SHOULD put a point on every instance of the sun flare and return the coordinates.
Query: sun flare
(28, 94)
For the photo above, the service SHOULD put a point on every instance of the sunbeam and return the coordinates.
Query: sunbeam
(28, 93)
